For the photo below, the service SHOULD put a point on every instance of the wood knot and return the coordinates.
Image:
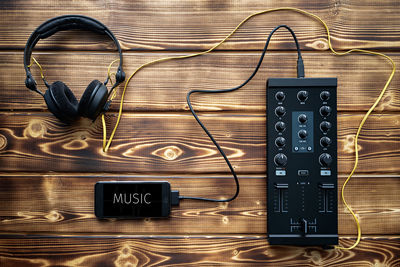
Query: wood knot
(349, 144)
(36, 128)
(316, 257)
(320, 44)
(126, 250)
(385, 102)
(225, 220)
(168, 152)
(3, 142)
(75, 145)
(334, 10)
(54, 216)
(126, 257)
(223, 205)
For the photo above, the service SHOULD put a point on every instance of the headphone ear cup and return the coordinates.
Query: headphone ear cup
(61, 102)
(93, 100)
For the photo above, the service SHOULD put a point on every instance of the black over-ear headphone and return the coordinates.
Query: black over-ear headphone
(59, 98)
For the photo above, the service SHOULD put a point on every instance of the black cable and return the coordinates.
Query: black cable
(300, 74)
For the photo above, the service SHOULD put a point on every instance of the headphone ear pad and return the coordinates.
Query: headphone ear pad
(61, 102)
(93, 100)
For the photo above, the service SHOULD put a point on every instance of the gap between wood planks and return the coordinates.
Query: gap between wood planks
(184, 175)
(117, 235)
(221, 113)
(166, 52)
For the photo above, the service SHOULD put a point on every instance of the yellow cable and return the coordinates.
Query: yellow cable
(40, 67)
(104, 129)
(112, 73)
(109, 69)
(105, 148)
(114, 93)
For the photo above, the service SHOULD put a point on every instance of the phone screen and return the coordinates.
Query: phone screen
(131, 200)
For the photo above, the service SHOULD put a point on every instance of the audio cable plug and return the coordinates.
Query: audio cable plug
(175, 198)
(300, 67)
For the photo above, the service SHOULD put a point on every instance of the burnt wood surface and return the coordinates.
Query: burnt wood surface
(197, 25)
(173, 142)
(188, 251)
(63, 204)
(48, 169)
(163, 86)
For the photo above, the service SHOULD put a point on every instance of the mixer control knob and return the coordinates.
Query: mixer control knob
(325, 111)
(302, 118)
(325, 95)
(325, 126)
(280, 111)
(280, 142)
(302, 96)
(325, 141)
(280, 96)
(303, 134)
(325, 159)
(280, 126)
(280, 160)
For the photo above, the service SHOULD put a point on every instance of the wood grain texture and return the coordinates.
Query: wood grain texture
(163, 87)
(47, 169)
(174, 143)
(174, 25)
(63, 204)
(189, 251)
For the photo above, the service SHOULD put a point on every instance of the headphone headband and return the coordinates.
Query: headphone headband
(63, 23)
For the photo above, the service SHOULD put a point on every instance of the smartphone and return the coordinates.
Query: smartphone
(132, 200)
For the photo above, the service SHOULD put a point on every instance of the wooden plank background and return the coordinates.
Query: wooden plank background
(48, 169)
